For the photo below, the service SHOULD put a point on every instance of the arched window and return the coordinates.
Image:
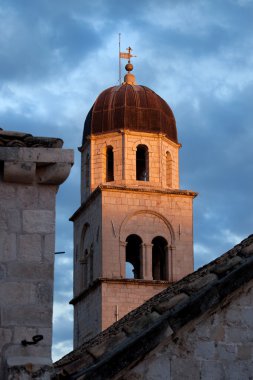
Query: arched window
(142, 163)
(133, 256)
(109, 164)
(168, 169)
(159, 252)
(87, 170)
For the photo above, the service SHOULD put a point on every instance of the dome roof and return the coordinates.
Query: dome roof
(131, 107)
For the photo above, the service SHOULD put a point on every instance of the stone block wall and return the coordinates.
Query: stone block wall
(106, 302)
(119, 298)
(112, 214)
(29, 180)
(88, 316)
(217, 346)
(147, 214)
(87, 235)
(124, 150)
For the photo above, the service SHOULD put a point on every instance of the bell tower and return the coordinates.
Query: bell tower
(133, 233)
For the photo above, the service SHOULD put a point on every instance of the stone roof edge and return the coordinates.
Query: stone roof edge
(171, 309)
(169, 322)
(22, 139)
(149, 190)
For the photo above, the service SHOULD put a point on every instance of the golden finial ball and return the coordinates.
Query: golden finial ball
(129, 67)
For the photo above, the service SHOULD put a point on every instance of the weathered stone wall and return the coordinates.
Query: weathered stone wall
(119, 298)
(124, 149)
(88, 316)
(108, 301)
(29, 180)
(218, 346)
(147, 214)
(87, 267)
(111, 216)
(87, 235)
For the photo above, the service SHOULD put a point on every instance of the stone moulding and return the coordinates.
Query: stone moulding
(103, 187)
(41, 165)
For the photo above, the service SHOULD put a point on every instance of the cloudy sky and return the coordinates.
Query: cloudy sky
(57, 56)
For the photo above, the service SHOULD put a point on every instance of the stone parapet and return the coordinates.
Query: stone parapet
(49, 166)
(31, 170)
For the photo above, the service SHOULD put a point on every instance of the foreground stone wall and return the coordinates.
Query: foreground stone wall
(217, 346)
(29, 180)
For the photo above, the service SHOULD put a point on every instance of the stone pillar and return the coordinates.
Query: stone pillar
(29, 180)
(169, 262)
(123, 158)
(148, 261)
(142, 261)
(122, 255)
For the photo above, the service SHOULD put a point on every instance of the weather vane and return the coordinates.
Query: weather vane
(124, 55)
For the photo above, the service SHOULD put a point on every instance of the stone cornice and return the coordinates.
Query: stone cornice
(122, 281)
(40, 165)
(139, 189)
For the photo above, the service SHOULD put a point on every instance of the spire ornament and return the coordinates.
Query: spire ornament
(129, 78)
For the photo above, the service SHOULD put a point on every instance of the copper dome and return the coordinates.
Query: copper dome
(132, 107)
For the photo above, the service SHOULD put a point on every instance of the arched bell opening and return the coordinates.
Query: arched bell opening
(159, 254)
(133, 256)
(142, 163)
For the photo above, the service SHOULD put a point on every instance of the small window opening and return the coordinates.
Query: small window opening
(142, 163)
(159, 252)
(109, 164)
(133, 256)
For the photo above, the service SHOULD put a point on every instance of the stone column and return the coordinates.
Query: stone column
(169, 262)
(122, 257)
(142, 261)
(29, 180)
(148, 261)
(123, 158)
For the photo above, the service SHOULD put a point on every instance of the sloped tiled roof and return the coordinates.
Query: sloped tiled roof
(140, 331)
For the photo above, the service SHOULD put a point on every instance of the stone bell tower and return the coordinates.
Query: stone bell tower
(133, 231)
